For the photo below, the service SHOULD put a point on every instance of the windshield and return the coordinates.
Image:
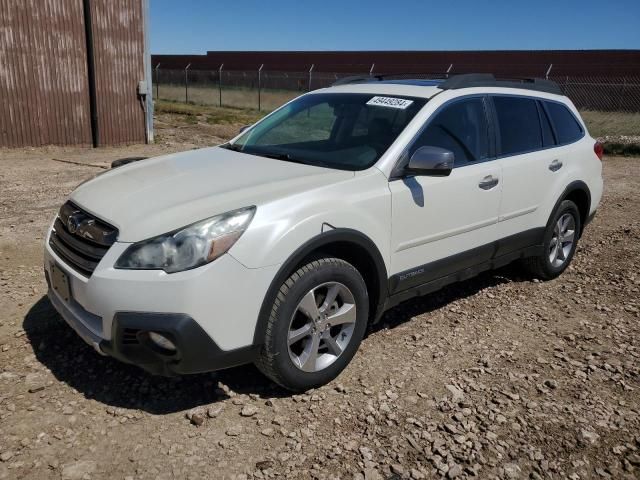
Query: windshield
(347, 131)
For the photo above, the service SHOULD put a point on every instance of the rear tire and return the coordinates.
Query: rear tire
(316, 324)
(559, 244)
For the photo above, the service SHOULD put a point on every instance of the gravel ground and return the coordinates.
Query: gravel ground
(499, 377)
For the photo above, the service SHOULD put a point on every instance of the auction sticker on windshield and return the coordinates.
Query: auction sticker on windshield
(390, 102)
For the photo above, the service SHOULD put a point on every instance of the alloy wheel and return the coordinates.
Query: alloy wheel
(562, 240)
(321, 326)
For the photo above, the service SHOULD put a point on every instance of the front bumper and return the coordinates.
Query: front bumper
(195, 350)
(211, 312)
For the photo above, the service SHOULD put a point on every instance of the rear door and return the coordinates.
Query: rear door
(525, 146)
(441, 225)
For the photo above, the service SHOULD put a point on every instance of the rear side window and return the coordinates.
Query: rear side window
(460, 127)
(567, 127)
(519, 125)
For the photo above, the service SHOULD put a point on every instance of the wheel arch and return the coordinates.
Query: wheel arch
(347, 244)
(578, 192)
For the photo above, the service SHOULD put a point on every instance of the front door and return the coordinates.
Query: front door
(441, 225)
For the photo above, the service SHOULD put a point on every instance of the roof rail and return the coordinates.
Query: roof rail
(488, 80)
(358, 79)
(379, 78)
(467, 80)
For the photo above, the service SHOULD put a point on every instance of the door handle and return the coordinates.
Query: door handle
(555, 165)
(488, 182)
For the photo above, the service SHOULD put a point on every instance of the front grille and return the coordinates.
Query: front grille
(81, 239)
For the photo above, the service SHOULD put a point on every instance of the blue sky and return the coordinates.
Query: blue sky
(195, 26)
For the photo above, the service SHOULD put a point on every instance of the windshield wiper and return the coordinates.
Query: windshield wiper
(277, 156)
(280, 156)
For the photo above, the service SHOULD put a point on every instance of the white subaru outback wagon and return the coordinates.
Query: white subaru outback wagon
(283, 245)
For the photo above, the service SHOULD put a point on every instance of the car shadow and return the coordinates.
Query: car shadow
(417, 192)
(428, 303)
(117, 384)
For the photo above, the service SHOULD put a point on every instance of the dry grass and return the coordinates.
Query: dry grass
(210, 114)
(233, 97)
(606, 124)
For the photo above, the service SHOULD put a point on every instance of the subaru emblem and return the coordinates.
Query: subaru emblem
(73, 223)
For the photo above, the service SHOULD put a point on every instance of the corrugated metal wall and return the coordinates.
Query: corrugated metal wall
(44, 96)
(44, 86)
(118, 33)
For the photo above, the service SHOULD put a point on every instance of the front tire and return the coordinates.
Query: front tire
(316, 324)
(559, 244)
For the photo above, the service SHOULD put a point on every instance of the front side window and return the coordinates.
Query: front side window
(519, 125)
(347, 131)
(461, 128)
(567, 127)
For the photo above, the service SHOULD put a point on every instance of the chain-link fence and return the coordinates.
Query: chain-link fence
(611, 105)
(259, 90)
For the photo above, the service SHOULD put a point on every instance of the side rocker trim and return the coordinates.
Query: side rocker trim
(432, 276)
(336, 235)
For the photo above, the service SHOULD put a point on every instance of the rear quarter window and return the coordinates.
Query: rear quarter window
(567, 127)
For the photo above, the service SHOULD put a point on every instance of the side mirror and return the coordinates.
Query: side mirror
(244, 128)
(433, 161)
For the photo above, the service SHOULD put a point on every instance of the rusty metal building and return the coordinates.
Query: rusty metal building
(74, 72)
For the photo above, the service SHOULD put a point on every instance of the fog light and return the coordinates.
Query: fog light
(161, 341)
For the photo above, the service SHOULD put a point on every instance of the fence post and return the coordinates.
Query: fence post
(449, 70)
(548, 71)
(157, 81)
(220, 82)
(371, 69)
(186, 84)
(260, 86)
(310, 75)
(621, 98)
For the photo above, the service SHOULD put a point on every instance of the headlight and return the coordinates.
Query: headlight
(189, 247)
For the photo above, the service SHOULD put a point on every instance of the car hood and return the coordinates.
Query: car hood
(155, 196)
